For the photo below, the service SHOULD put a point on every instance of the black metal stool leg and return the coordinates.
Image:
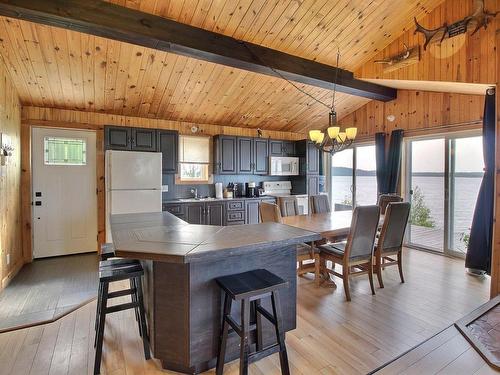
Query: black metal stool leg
(280, 335)
(245, 323)
(133, 286)
(223, 335)
(100, 329)
(142, 318)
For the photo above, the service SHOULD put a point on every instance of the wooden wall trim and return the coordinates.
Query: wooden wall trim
(92, 120)
(26, 207)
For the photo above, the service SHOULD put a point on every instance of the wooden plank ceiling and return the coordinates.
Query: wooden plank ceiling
(58, 68)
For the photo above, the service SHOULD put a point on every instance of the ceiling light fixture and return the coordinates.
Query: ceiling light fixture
(333, 140)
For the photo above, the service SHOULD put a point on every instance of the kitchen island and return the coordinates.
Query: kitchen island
(181, 262)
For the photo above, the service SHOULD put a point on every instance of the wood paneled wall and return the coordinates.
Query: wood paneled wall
(417, 111)
(463, 58)
(10, 195)
(70, 118)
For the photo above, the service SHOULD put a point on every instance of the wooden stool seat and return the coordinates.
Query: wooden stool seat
(249, 288)
(250, 284)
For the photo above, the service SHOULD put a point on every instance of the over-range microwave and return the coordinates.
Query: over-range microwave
(283, 166)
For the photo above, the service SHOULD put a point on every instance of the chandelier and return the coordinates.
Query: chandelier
(333, 140)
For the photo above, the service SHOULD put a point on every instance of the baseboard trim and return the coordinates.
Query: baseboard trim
(7, 279)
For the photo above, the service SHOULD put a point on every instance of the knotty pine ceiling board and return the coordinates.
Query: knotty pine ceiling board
(58, 68)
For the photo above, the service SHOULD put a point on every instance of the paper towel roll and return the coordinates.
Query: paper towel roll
(218, 190)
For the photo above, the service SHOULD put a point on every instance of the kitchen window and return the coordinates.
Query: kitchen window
(194, 159)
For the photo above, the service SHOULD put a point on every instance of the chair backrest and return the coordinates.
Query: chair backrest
(319, 204)
(270, 213)
(385, 199)
(393, 230)
(361, 237)
(288, 206)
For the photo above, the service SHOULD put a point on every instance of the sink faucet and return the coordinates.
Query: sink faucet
(195, 192)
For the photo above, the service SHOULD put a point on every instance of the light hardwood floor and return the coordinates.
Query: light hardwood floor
(332, 336)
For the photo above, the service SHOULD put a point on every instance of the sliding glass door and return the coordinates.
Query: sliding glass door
(354, 180)
(442, 182)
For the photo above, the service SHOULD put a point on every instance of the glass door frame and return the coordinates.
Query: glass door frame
(449, 186)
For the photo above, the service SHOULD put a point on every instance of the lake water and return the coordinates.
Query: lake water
(432, 188)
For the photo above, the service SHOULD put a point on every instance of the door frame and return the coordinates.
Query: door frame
(448, 186)
(26, 180)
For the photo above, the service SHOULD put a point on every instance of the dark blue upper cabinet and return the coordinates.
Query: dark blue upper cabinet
(143, 139)
(118, 138)
(168, 141)
(225, 154)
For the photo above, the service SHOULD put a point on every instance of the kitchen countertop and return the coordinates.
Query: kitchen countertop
(164, 237)
(193, 200)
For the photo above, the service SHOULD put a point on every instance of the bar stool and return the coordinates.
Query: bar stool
(117, 272)
(108, 258)
(249, 288)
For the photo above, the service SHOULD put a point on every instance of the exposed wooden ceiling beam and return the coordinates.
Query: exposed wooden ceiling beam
(127, 25)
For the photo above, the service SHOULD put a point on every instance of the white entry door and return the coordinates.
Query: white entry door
(64, 192)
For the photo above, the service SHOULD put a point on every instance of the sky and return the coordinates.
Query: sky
(428, 156)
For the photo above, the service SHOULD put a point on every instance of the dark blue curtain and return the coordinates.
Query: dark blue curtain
(394, 161)
(380, 160)
(388, 168)
(480, 242)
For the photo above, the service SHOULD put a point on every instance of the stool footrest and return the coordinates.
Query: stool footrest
(121, 307)
(121, 293)
(263, 353)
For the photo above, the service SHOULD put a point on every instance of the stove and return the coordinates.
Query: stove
(284, 189)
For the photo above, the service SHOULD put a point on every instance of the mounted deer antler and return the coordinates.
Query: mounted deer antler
(431, 34)
(481, 17)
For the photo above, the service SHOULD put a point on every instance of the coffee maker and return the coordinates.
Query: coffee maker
(251, 190)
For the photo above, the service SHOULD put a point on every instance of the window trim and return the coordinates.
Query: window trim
(178, 178)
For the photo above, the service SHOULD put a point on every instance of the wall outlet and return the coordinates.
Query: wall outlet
(8, 259)
(164, 188)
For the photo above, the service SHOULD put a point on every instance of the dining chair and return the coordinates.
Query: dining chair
(270, 213)
(390, 241)
(385, 199)
(319, 204)
(288, 206)
(356, 254)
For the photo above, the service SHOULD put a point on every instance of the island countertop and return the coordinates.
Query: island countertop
(162, 236)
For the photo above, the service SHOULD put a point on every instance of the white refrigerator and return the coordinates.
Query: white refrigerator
(133, 183)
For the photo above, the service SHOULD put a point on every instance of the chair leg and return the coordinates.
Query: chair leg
(142, 318)
(378, 269)
(370, 276)
(280, 335)
(345, 278)
(134, 299)
(100, 329)
(400, 265)
(223, 335)
(244, 350)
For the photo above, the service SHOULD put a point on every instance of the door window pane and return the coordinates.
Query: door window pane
(64, 151)
(366, 178)
(342, 180)
(427, 193)
(466, 173)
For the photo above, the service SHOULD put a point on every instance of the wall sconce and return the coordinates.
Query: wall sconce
(6, 149)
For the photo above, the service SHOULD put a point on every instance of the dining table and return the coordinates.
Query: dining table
(332, 226)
